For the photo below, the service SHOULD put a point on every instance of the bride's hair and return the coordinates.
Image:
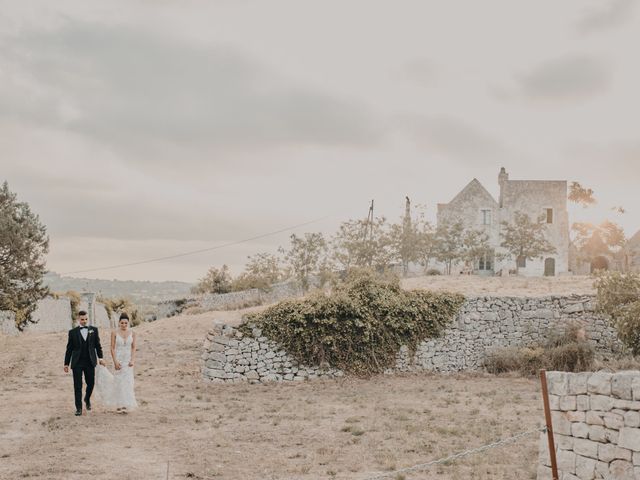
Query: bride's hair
(124, 316)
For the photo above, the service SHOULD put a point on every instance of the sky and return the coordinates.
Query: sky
(142, 129)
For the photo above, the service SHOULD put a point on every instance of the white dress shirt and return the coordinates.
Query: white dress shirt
(84, 331)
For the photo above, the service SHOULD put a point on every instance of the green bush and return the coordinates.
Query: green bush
(619, 297)
(360, 326)
(566, 352)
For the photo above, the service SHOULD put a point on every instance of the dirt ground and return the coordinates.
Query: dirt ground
(505, 286)
(348, 429)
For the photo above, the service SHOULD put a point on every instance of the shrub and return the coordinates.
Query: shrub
(433, 271)
(568, 352)
(215, 281)
(619, 297)
(360, 326)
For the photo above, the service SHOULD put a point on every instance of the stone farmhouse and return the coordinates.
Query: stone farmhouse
(476, 208)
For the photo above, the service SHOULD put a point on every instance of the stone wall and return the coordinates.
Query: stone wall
(229, 301)
(482, 325)
(596, 423)
(50, 315)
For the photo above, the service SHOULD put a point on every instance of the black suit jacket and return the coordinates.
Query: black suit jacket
(74, 346)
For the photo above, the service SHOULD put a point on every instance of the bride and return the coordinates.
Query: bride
(117, 390)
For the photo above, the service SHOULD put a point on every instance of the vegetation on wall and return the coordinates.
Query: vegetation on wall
(360, 326)
(619, 297)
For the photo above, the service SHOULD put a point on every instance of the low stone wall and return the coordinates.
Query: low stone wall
(482, 325)
(596, 423)
(230, 356)
(50, 315)
(228, 301)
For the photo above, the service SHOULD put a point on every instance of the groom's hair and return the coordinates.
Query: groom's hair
(81, 313)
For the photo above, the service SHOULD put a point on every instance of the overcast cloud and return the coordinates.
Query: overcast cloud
(141, 128)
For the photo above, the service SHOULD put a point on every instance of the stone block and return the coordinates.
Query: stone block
(630, 438)
(578, 383)
(586, 448)
(621, 384)
(554, 402)
(567, 403)
(606, 452)
(636, 459)
(563, 442)
(579, 430)
(566, 461)
(594, 418)
(597, 433)
(222, 340)
(582, 402)
(601, 402)
(613, 420)
(626, 404)
(602, 469)
(252, 375)
(611, 436)
(635, 388)
(585, 467)
(621, 470)
(544, 473)
(599, 383)
(576, 416)
(560, 423)
(558, 383)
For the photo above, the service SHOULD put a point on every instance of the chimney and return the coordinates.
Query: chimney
(503, 178)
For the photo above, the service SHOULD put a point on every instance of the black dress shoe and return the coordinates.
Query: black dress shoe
(88, 405)
(78, 413)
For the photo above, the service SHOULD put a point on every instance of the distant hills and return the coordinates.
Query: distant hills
(139, 291)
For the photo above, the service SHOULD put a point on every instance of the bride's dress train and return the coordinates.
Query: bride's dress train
(116, 390)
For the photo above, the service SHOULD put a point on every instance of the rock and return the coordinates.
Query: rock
(600, 383)
(630, 438)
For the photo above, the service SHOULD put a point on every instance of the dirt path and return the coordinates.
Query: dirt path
(345, 429)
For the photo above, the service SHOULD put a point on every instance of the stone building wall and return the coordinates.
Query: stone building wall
(482, 325)
(596, 423)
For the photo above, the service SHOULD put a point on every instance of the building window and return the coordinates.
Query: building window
(486, 216)
(549, 214)
(485, 262)
(521, 261)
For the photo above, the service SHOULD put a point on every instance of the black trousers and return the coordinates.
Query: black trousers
(89, 378)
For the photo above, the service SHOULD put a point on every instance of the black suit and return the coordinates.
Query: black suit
(82, 355)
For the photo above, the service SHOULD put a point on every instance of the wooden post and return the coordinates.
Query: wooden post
(547, 416)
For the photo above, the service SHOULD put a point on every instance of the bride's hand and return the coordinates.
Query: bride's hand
(117, 365)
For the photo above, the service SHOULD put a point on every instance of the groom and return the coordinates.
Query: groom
(82, 346)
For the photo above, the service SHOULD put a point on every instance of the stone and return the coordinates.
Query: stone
(221, 340)
(601, 402)
(558, 383)
(611, 435)
(630, 438)
(621, 470)
(563, 442)
(602, 469)
(567, 403)
(599, 383)
(586, 448)
(585, 467)
(597, 433)
(594, 418)
(252, 375)
(580, 430)
(578, 383)
(621, 384)
(576, 416)
(606, 452)
(554, 402)
(582, 402)
(613, 420)
(566, 461)
(560, 423)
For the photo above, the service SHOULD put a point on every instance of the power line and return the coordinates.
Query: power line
(194, 252)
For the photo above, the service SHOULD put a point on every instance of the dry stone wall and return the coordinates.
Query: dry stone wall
(596, 423)
(482, 325)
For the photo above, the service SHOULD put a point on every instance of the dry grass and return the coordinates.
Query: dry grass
(347, 429)
(503, 286)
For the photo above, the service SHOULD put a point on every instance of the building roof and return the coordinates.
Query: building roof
(475, 188)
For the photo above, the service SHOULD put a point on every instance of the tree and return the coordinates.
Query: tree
(475, 245)
(261, 271)
(580, 195)
(23, 246)
(525, 238)
(363, 243)
(307, 257)
(448, 243)
(215, 281)
(619, 297)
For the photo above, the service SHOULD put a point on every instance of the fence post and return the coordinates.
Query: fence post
(547, 416)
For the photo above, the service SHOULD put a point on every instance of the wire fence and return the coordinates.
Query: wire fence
(459, 455)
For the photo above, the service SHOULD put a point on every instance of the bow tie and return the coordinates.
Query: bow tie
(84, 328)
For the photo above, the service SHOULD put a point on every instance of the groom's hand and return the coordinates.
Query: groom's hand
(101, 362)
(66, 369)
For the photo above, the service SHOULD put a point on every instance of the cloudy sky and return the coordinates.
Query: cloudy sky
(140, 129)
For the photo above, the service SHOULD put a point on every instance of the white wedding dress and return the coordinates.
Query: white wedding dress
(116, 390)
